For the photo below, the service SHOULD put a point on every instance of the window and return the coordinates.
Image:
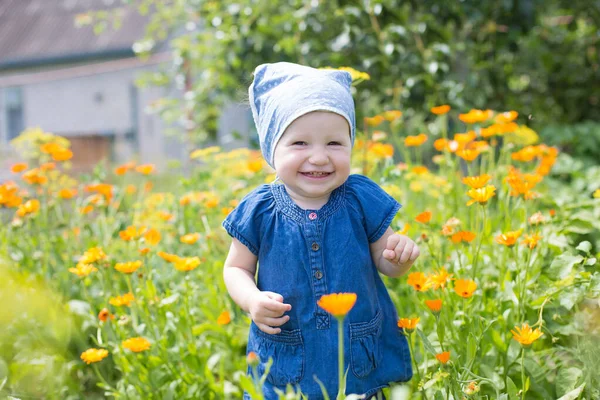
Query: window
(13, 106)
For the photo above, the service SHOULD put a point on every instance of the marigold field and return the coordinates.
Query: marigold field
(112, 281)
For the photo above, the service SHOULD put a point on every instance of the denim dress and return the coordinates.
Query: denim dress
(305, 254)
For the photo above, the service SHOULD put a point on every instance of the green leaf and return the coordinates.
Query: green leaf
(426, 342)
(585, 246)
(567, 379)
(573, 394)
(511, 388)
(471, 348)
(562, 265)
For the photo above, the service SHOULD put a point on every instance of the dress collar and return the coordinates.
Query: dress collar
(287, 206)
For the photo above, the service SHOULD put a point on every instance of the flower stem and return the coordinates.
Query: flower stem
(523, 374)
(340, 394)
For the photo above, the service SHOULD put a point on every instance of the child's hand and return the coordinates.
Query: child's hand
(266, 310)
(401, 250)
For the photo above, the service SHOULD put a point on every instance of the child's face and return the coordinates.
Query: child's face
(312, 158)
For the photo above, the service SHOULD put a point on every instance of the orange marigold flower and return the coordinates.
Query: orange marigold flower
(67, 194)
(439, 279)
(481, 195)
(525, 335)
(440, 110)
(47, 166)
(337, 304)
(449, 227)
(419, 170)
(136, 344)
(34, 177)
(186, 263)
(18, 167)
(440, 144)
(94, 355)
(132, 233)
(168, 257)
(50, 148)
(82, 270)
(414, 141)
(462, 236)
(408, 324)
(145, 169)
(253, 359)
(152, 237)
(211, 202)
(30, 207)
(190, 238)
(224, 318)
(531, 240)
(506, 117)
(424, 217)
(443, 357)
(92, 255)
(122, 169)
(144, 251)
(104, 314)
(382, 150)
(86, 210)
(128, 267)
(418, 281)
(476, 182)
(124, 300)
(509, 238)
(62, 155)
(468, 155)
(464, 287)
(165, 216)
(434, 305)
(474, 116)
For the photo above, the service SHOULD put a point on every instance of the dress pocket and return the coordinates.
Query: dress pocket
(287, 351)
(364, 346)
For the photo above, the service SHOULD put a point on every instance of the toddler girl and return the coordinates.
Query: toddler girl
(320, 231)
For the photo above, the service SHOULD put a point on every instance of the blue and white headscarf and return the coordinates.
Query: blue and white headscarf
(282, 92)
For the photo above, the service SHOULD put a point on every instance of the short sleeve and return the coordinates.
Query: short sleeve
(245, 221)
(378, 207)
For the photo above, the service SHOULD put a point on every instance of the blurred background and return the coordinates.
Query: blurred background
(152, 80)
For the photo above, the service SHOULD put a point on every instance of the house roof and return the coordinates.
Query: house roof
(40, 32)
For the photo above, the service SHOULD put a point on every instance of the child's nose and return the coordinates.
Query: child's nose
(319, 157)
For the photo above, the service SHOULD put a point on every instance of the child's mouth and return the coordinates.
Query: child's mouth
(316, 175)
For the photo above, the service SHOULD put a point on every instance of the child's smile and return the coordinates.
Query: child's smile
(312, 157)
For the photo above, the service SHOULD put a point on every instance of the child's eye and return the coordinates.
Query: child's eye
(299, 143)
(335, 143)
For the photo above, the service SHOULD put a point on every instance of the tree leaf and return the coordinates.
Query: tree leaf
(573, 394)
(567, 379)
(562, 265)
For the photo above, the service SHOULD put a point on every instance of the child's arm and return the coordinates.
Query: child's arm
(265, 308)
(394, 254)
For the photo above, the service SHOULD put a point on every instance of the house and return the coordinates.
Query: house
(71, 82)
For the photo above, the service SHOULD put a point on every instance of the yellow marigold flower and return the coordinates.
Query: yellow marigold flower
(82, 269)
(356, 75)
(471, 388)
(374, 121)
(392, 115)
(212, 202)
(201, 153)
(418, 281)
(481, 195)
(132, 233)
(439, 279)
(476, 182)
(468, 155)
(419, 170)
(404, 229)
(408, 324)
(414, 141)
(168, 257)
(337, 304)
(30, 207)
(186, 264)
(124, 300)
(34, 177)
(92, 255)
(382, 150)
(474, 116)
(434, 305)
(440, 110)
(525, 335)
(62, 155)
(50, 148)
(94, 355)
(255, 165)
(152, 237)
(49, 166)
(443, 357)
(449, 227)
(506, 117)
(224, 318)
(596, 194)
(128, 267)
(509, 238)
(531, 241)
(18, 167)
(67, 194)
(462, 236)
(86, 210)
(104, 189)
(190, 238)
(145, 169)
(464, 287)
(424, 217)
(136, 344)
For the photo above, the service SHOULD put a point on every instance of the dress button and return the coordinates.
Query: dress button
(318, 274)
(312, 216)
(315, 246)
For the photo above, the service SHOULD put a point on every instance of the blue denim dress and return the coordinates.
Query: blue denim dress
(305, 254)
